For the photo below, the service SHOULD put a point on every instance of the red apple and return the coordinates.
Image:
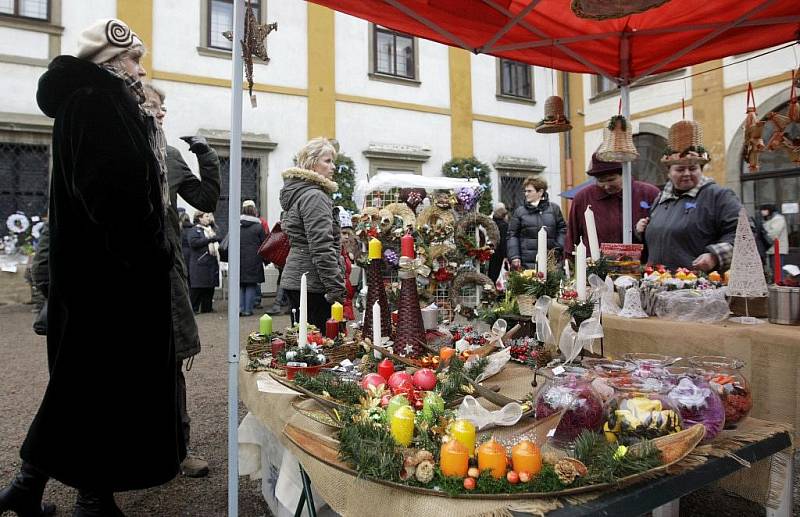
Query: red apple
(399, 378)
(424, 379)
(372, 379)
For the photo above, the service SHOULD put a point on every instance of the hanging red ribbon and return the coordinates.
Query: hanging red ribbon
(750, 96)
(683, 109)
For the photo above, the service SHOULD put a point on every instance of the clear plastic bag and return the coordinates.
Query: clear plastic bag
(705, 306)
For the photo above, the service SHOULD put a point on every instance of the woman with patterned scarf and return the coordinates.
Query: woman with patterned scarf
(109, 420)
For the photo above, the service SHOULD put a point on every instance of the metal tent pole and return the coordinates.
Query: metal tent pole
(627, 183)
(234, 200)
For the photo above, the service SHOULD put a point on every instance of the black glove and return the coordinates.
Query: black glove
(197, 144)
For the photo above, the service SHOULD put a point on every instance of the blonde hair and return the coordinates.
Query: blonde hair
(152, 89)
(312, 152)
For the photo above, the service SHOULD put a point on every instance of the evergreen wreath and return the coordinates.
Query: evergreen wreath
(473, 168)
(345, 177)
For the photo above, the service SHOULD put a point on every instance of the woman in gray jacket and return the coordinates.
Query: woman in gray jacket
(313, 229)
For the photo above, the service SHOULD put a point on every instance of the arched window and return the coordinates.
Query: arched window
(778, 182)
(648, 167)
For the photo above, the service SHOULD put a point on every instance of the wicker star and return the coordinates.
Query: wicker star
(253, 43)
(780, 122)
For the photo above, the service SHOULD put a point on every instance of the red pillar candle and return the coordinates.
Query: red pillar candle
(776, 267)
(407, 246)
(386, 368)
(277, 345)
(331, 328)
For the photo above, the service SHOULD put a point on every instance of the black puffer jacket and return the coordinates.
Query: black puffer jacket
(251, 268)
(523, 230)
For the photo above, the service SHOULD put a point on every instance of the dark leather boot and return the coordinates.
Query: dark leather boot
(91, 503)
(24, 495)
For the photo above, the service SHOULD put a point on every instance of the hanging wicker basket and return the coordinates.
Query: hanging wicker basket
(554, 121)
(685, 144)
(617, 143)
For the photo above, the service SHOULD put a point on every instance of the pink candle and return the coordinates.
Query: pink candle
(407, 246)
(777, 273)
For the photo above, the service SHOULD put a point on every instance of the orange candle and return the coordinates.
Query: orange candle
(445, 353)
(492, 456)
(526, 456)
(464, 432)
(454, 459)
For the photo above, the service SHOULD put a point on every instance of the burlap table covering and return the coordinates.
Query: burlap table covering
(348, 495)
(771, 353)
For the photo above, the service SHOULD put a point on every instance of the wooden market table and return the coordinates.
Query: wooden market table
(349, 495)
(771, 353)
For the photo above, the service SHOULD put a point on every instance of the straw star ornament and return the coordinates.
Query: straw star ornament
(255, 34)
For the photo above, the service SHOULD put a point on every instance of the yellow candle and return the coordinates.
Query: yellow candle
(337, 311)
(464, 432)
(375, 249)
(402, 425)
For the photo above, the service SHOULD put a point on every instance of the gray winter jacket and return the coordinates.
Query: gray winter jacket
(314, 233)
(682, 227)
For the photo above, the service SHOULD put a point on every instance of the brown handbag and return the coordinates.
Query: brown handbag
(275, 248)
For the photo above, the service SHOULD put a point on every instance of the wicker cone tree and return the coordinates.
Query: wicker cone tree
(376, 292)
(410, 330)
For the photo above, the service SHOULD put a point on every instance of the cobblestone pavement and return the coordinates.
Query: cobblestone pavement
(24, 377)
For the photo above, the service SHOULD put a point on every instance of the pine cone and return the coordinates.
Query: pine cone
(566, 472)
(424, 472)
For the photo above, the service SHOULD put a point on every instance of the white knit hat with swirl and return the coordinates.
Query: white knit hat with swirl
(105, 39)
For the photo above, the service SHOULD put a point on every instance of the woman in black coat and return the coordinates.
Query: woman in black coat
(109, 420)
(251, 268)
(186, 250)
(523, 229)
(203, 263)
(500, 218)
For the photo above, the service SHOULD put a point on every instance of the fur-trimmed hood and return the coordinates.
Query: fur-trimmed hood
(327, 185)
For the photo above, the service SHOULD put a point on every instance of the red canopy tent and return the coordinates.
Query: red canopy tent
(548, 33)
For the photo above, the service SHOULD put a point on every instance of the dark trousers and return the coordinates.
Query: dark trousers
(201, 298)
(319, 310)
(184, 413)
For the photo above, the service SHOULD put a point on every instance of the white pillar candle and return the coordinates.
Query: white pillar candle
(591, 231)
(580, 270)
(376, 328)
(302, 335)
(541, 256)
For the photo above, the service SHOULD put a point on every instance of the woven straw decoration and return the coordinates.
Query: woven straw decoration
(554, 121)
(684, 144)
(685, 134)
(376, 292)
(410, 329)
(617, 143)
